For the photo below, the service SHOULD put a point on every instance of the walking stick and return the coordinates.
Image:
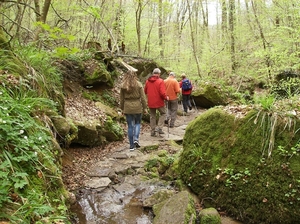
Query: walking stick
(168, 118)
(196, 109)
(182, 108)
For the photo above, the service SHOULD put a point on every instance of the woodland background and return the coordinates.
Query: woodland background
(223, 43)
(205, 39)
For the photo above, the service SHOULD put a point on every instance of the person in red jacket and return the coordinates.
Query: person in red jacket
(155, 90)
(186, 95)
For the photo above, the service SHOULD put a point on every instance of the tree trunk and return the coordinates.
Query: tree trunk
(262, 36)
(160, 28)
(138, 15)
(193, 40)
(232, 33)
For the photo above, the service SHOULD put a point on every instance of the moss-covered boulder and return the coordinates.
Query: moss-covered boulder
(209, 216)
(158, 197)
(96, 73)
(179, 209)
(248, 166)
(61, 125)
(208, 95)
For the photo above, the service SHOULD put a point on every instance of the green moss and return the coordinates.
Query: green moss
(237, 163)
(210, 216)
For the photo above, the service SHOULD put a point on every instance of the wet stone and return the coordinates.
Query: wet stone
(96, 182)
(119, 155)
(124, 188)
(99, 172)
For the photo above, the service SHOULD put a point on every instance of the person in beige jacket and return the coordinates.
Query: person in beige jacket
(172, 91)
(132, 103)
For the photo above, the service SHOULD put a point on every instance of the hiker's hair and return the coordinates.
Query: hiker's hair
(183, 75)
(130, 81)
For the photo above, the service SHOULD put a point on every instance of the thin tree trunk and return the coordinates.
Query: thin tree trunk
(138, 15)
(160, 28)
(263, 39)
(193, 40)
(224, 19)
(232, 34)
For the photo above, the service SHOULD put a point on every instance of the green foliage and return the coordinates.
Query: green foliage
(27, 168)
(114, 126)
(51, 36)
(265, 101)
(108, 98)
(286, 88)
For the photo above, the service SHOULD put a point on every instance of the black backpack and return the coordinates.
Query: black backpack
(186, 85)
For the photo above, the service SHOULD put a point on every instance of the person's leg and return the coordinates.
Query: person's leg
(129, 119)
(173, 111)
(162, 117)
(168, 113)
(152, 120)
(185, 102)
(137, 128)
(189, 101)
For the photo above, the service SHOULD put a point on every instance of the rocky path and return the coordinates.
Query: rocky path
(110, 183)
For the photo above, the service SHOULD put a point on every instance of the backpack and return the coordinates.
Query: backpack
(186, 85)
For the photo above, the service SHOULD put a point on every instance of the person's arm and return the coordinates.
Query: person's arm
(162, 90)
(143, 100)
(177, 87)
(122, 99)
(146, 88)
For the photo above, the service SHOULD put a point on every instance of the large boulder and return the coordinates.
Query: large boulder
(247, 165)
(208, 95)
(179, 209)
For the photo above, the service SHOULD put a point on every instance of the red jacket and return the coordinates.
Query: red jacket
(155, 90)
(185, 92)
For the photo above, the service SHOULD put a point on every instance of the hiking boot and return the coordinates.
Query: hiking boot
(190, 108)
(166, 122)
(131, 149)
(160, 131)
(137, 144)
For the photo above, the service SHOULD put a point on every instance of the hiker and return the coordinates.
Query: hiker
(172, 90)
(155, 90)
(133, 103)
(186, 92)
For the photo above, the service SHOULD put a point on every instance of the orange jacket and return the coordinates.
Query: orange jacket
(172, 87)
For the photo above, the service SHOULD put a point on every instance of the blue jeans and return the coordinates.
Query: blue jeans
(134, 127)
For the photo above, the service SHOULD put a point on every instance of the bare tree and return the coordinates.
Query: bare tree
(262, 36)
(181, 21)
(160, 28)
(232, 22)
(41, 16)
(193, 38)
(138, 16)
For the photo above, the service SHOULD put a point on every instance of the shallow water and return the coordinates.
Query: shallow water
(114, 205)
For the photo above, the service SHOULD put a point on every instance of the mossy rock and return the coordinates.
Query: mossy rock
(179, 209)
(209, 216)
(208, 95)
(248, 166)
(96, 73)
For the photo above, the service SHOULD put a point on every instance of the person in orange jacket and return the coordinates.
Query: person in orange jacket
(172, 90)
(155, 90)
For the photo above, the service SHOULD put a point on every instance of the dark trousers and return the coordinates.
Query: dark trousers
(186, 102)
(172, 106)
